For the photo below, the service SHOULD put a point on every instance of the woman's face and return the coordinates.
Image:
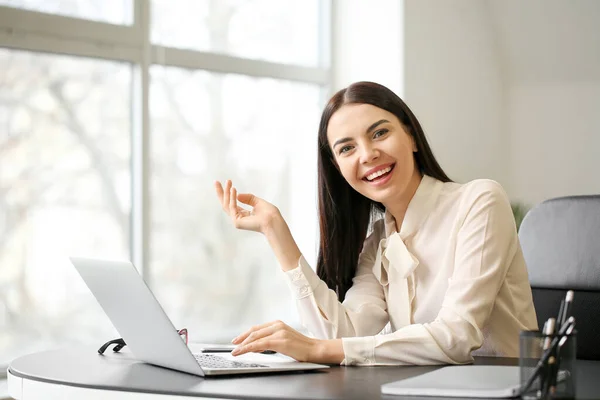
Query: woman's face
(373, 152)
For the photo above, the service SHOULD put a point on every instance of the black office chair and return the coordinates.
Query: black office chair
(561, 244)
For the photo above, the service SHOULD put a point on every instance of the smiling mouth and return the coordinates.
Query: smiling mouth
(379, 175)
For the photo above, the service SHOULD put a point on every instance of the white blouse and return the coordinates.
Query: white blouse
(452, 281)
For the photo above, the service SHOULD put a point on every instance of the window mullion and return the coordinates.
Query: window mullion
(222, 63)
(140, 212)
(326, 44)
(56, 45)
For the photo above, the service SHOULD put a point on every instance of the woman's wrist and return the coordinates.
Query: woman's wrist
(328, 351)
(272, 221)
(281, 241)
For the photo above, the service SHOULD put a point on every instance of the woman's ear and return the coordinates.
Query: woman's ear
(414, 144)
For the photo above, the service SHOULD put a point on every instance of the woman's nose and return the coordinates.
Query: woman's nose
(368, 154)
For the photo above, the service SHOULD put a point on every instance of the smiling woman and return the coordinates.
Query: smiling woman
(442, 264)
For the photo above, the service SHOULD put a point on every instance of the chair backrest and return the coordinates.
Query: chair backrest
(561, 245)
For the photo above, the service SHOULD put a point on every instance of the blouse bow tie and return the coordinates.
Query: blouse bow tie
(393, 252)
(394, 264)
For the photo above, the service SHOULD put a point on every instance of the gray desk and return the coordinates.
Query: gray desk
(81, 373)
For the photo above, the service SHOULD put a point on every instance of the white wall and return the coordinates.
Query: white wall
(492, 98)
(551, 49)
(454, 84)
(367, 43)
(555, 139)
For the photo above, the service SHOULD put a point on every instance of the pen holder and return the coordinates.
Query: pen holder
(556, 377)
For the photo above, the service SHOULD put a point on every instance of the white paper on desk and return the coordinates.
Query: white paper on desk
(487, 381)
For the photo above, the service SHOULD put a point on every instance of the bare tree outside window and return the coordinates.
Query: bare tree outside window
(64, 190)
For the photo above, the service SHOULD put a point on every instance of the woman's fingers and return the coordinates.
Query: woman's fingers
(227, 199)
(239, 339)
(242, 218)
(278, 337)
(248, 198)
(233, 208)
(261, 333)
(226, 196)
(219, 190)
(267, 343)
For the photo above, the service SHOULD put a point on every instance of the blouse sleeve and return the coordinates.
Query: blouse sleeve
(363, 311)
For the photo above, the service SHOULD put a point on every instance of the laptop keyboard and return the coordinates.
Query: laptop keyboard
(210, 361)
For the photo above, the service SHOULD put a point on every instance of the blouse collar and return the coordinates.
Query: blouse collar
(419, 207)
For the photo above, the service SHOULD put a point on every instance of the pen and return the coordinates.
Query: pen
(561, 310)
(548, 384)
(561, 342)
(567, 309)
(229, 350)
(548, 367)
(565, 330)
(548, 332)
(554, 360)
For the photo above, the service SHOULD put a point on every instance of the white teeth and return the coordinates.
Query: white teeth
(378, 173)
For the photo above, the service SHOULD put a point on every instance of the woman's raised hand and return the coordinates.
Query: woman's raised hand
(264, 217)
(259, 218)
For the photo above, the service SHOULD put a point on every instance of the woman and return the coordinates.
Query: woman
(443, 266)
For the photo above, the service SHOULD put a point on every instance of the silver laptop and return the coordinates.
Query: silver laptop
(149, 333)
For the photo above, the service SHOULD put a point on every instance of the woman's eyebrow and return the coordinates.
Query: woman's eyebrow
(369, 130)
(340, 141)
(376, 124)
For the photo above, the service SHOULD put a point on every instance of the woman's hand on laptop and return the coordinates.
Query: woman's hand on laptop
(279, 337)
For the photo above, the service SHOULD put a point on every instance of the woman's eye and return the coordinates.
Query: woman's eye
(379, 133)
(345, 149)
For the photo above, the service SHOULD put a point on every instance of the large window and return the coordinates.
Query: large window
(111, 136)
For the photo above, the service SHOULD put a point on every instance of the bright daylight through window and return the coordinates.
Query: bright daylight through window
(116, 117)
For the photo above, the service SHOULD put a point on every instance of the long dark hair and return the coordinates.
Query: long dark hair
(345, 214)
